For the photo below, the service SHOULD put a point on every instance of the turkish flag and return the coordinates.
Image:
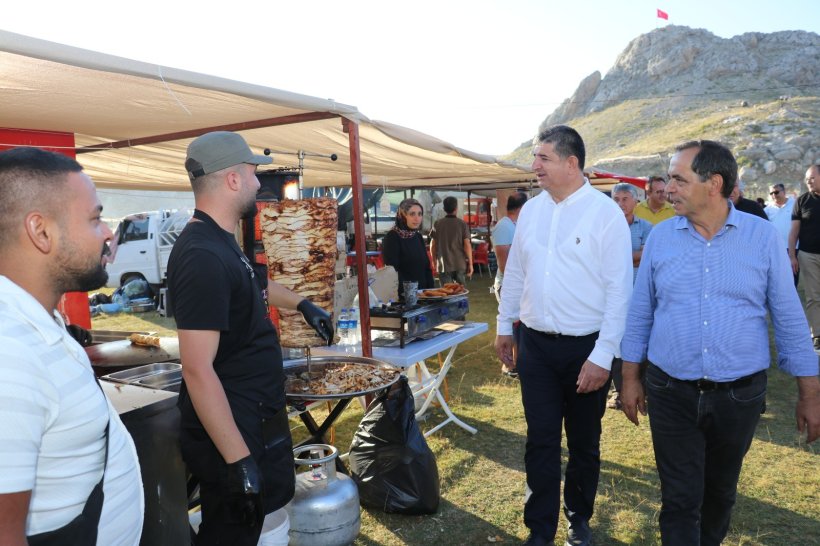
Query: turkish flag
(663, 15)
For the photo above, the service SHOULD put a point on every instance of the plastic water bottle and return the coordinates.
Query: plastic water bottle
(343, 327)
(353, 325)
(374, 300)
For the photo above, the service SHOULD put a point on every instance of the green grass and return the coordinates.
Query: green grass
(482, 475)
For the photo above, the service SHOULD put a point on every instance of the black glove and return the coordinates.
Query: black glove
(318, 318)
(244, 487)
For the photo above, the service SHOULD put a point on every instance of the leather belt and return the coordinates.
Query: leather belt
(559, 335)
(705, 385)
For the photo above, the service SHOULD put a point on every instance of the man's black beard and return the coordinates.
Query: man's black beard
(72, 280)
(249, 212)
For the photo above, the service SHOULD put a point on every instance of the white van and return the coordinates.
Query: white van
(142, 245)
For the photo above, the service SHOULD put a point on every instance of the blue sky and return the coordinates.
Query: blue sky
(480, 74)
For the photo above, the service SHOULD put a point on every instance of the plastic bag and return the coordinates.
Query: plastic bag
(389, 458)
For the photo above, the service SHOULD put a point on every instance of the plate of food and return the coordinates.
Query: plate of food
(449, 290)
(333, 377)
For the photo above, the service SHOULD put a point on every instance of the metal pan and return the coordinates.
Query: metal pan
(318, 364)
(122, 353)
(134, 375)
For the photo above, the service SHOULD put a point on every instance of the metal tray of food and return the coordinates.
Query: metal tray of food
(422, 297)
(381, 376)
(141, 373)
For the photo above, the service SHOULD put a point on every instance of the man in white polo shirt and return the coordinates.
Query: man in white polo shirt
(568, 279)
(56, 426)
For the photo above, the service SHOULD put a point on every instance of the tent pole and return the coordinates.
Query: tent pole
(469, 213)
(352, 129)
(489, 204)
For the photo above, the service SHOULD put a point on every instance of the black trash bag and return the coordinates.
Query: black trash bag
(99, 298)
(389, 458)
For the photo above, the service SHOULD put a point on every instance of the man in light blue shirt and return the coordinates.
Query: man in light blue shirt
(705, 284)
(626, 197)
(502, 237)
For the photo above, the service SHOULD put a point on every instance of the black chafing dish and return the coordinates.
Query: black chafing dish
(418, 319)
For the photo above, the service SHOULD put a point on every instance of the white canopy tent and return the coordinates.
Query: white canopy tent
(132, 122)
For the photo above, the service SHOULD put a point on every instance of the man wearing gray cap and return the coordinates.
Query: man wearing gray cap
(234, 433)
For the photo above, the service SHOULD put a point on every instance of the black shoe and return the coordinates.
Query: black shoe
(536, 540)
(816, 342)
(578, 533)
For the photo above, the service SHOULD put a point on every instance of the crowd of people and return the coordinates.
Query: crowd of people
(672, 306)
(668, 298)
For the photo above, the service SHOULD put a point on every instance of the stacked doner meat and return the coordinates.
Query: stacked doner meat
(300, 247)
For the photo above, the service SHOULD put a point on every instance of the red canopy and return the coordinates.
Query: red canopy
(639, 181)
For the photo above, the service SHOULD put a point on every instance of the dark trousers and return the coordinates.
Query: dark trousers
(453, 276)
(548, 368)
(700, 438)
(617, 372)
(219, 526)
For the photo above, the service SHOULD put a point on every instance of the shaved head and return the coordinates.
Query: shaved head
(30, 179)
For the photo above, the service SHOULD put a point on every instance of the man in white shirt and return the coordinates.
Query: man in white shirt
(569, 279)
(54, 416)
(779, 212)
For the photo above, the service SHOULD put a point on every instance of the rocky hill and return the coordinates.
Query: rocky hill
(758, 93)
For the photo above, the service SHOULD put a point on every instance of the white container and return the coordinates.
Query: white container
(275, 529)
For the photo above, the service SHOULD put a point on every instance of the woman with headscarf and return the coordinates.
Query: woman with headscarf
(403, 246)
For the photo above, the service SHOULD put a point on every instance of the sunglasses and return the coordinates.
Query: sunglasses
(775, 192)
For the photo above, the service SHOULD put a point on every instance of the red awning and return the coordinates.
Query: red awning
(639, 181)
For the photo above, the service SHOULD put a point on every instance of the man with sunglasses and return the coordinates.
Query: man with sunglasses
(779, 212)
(655, 208)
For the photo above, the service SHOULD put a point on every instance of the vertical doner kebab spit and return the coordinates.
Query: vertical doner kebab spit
(300, 246)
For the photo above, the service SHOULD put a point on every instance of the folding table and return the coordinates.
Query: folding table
(428, 384)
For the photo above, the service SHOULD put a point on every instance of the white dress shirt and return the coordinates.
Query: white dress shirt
(570, 270)
(781, 218)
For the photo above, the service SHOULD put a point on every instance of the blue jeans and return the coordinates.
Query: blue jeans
(548, 368)
(700, 438)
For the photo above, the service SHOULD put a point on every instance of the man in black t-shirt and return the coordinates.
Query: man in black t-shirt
(806, 230)
(234, 432)
(746, 205)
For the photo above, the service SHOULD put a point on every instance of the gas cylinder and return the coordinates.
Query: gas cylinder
(325, 509)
